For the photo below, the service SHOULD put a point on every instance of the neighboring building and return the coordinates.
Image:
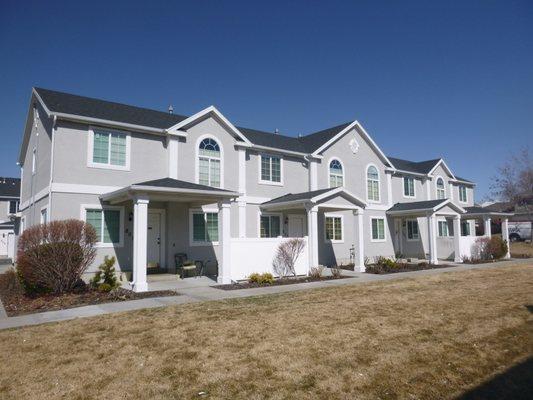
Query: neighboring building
(521, 222)
(9, 204)
(155, 184)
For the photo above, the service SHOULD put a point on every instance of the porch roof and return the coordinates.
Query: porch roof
(423, 207)
(314, 197)
(477, 211)
(167, 189)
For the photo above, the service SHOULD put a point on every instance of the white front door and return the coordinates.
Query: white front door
(154, 239)
(296, 225)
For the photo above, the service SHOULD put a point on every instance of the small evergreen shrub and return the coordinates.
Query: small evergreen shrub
(261, 279)
(106, 275)
(105, 287)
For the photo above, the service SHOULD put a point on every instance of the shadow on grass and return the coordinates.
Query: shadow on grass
(516, 383)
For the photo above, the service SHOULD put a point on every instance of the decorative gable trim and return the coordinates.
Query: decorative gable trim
(446, 168)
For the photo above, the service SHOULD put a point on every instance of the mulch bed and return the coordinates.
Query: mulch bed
(382, 269)
(277, 282)
(17, 303)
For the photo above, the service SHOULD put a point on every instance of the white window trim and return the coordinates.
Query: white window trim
(197, 159)
(466, 194)
(439, 221)
(264, 182)
(17, 207)
(384, 229)
(379, 184)
(269, 214)
(414, 187)
(417, 239)
(326, 215)
(202, 210)
(90, 150)
(343, 175)
(41, 214)
(437, 187)
(83, 214)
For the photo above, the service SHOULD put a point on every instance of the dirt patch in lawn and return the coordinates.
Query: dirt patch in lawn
(429, 337)
(277, 282)
(16, 302)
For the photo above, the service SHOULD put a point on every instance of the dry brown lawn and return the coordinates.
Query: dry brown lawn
(521, 248)
(430, 337)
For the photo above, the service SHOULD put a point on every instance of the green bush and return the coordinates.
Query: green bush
(105, 287)
(106, 275)
(261, 279)
(386, 262)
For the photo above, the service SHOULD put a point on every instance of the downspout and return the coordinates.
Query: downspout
(49, 211)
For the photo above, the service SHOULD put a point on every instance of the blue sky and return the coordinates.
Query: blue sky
(426, 79)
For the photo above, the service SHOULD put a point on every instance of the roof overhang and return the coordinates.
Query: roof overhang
(428, 210)
(319, 200)
(158, 193)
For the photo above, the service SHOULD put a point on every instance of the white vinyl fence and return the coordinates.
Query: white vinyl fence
(467, 245)
(250, 255)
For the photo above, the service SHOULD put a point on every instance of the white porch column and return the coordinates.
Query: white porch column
(486, 223)
(432, 234)
(140, 233)
(172, 148)
(505, 236)
(358, 227)
(242, 190)
(312, 228)
(224, 241)
(457, 238)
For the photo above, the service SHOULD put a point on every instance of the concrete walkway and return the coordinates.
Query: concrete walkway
(207, 293)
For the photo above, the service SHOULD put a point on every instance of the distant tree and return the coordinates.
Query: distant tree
(514, 182)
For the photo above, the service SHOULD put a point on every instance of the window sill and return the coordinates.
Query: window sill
(203, 244)
(107, 245)
(378, 240)
(270, 183)
(328, 241)
(108, 166)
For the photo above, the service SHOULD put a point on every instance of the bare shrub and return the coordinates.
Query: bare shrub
(286, 256)
(336, 272)
(52, 257)
(316, 272)
(492, 248)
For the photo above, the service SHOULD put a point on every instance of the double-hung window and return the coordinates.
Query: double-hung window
(270, 226)
(204, 227)
(463, 198)
(334, 228)
(378, 229)
(13, 206)
(441, 190)
(412, 229)
(209, 170)
(270, 169)
(443, 229)
(336, 176)
(465, 228)
(110, 149)
(408, 186)
(107, 223)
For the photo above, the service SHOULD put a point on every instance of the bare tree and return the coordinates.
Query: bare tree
(286, 256)
(514, 182)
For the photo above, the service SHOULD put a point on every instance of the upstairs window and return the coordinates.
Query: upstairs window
(372, 176)
(209, 163)
(109, 149)
(462, 194)
(270, 169)
(441, 191)
(408, 186)
(336, 175)
(270, 226)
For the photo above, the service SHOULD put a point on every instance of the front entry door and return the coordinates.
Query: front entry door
(296, 225)
(154, 239)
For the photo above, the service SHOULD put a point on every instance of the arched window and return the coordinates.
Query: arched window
(209, 163)
(372, 179)
(441, 191)
(336, 174)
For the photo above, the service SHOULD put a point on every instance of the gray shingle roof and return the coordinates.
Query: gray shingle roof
(420, 167)
(416, 205)
(177, 184)
(297, 196)
(9, 187)
(94, 108)
(462, 179)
